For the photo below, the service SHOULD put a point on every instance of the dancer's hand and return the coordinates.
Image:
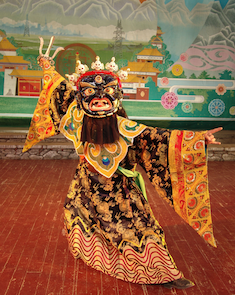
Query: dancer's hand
(209, 136)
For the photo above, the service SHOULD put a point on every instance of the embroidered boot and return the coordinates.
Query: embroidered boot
(179, 284)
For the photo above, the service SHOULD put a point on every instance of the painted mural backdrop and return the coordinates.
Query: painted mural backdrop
(179, 54)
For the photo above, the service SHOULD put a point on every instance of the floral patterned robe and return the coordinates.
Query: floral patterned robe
(109, 223)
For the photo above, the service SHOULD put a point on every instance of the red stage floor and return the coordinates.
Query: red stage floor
(34, 253)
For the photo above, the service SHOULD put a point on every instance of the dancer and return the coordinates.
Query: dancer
(108, 220)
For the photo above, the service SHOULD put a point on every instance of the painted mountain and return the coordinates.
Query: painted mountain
(70, 17)
(213, 50)
(219, 27)
(98, 18)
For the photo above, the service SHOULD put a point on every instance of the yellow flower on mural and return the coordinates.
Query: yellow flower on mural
(232, 111)
(177, 70)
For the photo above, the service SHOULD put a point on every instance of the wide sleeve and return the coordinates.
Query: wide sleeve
(176, 164)
(56, 96)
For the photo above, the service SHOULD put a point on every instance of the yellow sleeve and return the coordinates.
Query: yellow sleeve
(189, 178)
(42, 125)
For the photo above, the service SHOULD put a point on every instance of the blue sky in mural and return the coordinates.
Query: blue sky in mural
(191, 3)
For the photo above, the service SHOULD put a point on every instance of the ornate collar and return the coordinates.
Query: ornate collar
(106, 158)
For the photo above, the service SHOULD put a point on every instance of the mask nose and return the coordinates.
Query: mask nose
(100, 93)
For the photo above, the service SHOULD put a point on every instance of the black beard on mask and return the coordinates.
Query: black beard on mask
(100, 130)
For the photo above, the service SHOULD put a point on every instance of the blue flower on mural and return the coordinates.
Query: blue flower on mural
(187, 107)
(216, 107)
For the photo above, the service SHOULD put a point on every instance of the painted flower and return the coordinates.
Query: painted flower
(199, 145)
(169, 100)
(187, 107)
(164, 81)
(207, 236)
(188, 158)
(30, 136)
(177, 70)
(46, 78)
(204, 212)
(216, 107)
(189, 135)
(46, 65)
(46, 112)
(196, 225)
(184, 56)
(36, 118)
(190, 177)
(232, 111)
(192, 203)
(220, 89)
(42, 100)
(41, 129)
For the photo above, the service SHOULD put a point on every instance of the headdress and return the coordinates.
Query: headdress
(99, 90)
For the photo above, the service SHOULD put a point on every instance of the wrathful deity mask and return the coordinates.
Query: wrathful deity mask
(99, 93)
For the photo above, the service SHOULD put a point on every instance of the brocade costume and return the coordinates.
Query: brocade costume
(108, 221)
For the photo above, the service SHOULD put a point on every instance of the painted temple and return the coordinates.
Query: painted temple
(157, 41)
(18, 80)
(134, 86)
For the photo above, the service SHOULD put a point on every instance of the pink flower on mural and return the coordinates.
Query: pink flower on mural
(164, 81)
(220, 89)
(169, 100)
(184, 57)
